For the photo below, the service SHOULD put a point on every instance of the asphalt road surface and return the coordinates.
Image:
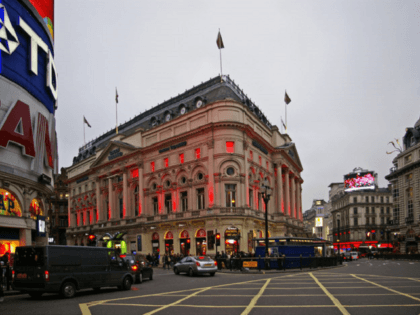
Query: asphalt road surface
(360, 287)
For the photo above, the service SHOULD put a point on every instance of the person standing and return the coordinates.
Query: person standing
(3, 261)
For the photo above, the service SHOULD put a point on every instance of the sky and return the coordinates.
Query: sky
(351, 69)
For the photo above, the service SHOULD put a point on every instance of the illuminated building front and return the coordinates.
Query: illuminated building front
(28, 94)
(183, 171)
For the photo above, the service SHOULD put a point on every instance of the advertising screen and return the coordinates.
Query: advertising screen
(318, 222)
(45, 9)
(358, 181)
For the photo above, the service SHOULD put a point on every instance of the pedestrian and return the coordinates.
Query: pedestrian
(165, 261)
(3, 260)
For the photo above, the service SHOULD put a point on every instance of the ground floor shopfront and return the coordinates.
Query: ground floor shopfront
(192, 237)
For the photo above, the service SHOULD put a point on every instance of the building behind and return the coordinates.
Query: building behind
(405, 180)
(28, 148)
(184, 170)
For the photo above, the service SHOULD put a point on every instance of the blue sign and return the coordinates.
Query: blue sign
(26, 51)
(139, 243)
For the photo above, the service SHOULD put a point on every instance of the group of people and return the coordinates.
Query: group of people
(5, 274)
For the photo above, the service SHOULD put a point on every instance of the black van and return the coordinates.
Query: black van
(65, 269)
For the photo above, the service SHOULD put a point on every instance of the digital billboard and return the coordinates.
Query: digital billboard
(45, 9)
(359, 181)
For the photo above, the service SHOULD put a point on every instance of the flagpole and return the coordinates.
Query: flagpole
(84, 134)
(221, 72)
(116, 111)
(285, 104)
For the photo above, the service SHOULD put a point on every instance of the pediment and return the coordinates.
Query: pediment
(113, 151)
(291, 152)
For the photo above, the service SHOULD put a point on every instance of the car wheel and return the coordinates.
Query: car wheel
(140, 278)
(212, 274)
(176, 271)
(191, 272)
(35, 295)
(68, 290)
(127, 283)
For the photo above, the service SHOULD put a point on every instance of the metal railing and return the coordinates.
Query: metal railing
(277, 263)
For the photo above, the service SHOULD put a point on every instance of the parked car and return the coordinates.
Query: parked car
(65, 269)
(140, 268)
(196, 265)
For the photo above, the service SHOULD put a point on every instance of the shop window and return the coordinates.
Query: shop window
(181, 158)
(168, 204)
(230, 190)
(152, 166)
(155, 205)
(200, 198)
(197, 153)
(9, 206)
(166, 162)
(230, 147)
(184, 201)
(136, 201)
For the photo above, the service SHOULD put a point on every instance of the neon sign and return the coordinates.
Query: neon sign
(35, 208)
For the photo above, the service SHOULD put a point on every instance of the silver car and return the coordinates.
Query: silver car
(196, 265)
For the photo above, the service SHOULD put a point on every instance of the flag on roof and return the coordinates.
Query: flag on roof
(116, 95)
(86, 122)
(219, 41)
(287, 98)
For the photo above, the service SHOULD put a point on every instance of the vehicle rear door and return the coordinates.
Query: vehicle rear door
(29, 266)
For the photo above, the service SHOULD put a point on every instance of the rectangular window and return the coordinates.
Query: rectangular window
(387, 210)
(108, 211)
(382, 210)
(355, 223)
(197, 153)
(152, 166)
(184, 201)
(372, 198)
(168, 204)
(230, 147)
(367, 199)
(372, 210)
(200, 198)
(136, 201)
(354, 199)
(121, 202)
(355, 210)
(396, 213)
(230, 195)
(395, 193)
(251, 199)
(410, 208)
(382, 220)
(382, 199)
(367, 210)
(155, 206)
(367, 221)
(387, 199)
(181, 158)
(166, 162)
(373, 220)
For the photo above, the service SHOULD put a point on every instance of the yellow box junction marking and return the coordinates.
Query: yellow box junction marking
(333, 299)
(255, 299)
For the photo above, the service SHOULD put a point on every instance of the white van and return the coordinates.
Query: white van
(354, 255)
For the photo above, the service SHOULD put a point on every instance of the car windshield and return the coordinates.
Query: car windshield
(203, 258)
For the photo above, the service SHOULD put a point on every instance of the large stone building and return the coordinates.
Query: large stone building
(361, 212)
(180, 172)
(28, 94)
(58, 210)
(405, 180)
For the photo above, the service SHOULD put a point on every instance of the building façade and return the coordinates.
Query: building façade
(180, 172)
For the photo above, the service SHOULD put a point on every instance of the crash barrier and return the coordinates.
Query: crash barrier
(397, 256)
(277, 263)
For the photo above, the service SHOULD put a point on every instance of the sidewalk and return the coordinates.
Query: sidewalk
(10, 292)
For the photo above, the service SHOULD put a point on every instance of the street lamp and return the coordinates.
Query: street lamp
(266, 193)
(338, 216)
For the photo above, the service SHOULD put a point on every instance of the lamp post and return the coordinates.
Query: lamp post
(266, 193)
(338, 231)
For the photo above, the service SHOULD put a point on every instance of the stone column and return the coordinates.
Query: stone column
(287, 193)
(127, 211)
(142, 204)
(293, 197)
(99, 201)
(280, 205)
(246, 178)
(211, 190)
(299, 200)
(111, 199)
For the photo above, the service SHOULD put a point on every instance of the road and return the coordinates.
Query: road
(360, 287)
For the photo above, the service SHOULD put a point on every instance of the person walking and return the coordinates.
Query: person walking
(3, 261)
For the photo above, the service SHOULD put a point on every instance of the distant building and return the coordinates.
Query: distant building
(314, 219)
(178, 173)
(361, 212)
(405, 180)
(57, 212)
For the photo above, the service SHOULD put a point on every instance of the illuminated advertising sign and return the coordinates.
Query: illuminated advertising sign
(45, 9)
(358, 181)
(26, 52)
(318, 222)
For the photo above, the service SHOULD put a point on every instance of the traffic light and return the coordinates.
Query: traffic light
(91, 240)
(217, 239)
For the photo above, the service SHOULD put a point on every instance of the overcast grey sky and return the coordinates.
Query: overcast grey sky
(351, 69)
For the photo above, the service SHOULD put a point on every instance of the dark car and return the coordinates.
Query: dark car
(196, 265)
(65, 269)
(140, 268)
